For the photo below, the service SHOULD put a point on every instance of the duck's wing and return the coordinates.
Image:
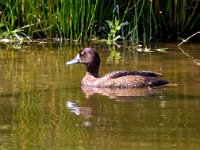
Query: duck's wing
(118, 74)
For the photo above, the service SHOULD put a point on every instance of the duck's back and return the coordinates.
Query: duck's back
(117, 74)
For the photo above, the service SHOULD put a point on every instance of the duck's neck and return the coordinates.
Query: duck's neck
(93, 71)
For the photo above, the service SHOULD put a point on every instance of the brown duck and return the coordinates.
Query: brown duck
(117, 79)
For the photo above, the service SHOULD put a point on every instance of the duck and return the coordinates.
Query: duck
(118, 79)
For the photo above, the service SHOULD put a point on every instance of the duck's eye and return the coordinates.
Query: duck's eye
(81, 53)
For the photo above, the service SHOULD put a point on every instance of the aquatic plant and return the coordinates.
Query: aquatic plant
(114, 56)
(176, 18)
(114, 28)
(134, 20)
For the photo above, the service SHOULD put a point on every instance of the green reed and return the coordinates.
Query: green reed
(82, 19)
(176, 18)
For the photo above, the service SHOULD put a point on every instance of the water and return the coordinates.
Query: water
(44, 107)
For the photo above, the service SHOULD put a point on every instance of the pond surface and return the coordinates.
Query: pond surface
(44, 107)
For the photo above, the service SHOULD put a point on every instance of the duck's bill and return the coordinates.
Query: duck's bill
(74, 61)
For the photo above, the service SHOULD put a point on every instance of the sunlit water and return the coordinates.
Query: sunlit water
(44, 107)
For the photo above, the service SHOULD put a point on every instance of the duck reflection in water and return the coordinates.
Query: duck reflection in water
(114, 93)
(118, 83)
(85, 112)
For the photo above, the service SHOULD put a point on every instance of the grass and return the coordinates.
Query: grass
(81, 20)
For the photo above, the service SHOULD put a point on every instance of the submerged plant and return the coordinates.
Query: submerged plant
(114, 56)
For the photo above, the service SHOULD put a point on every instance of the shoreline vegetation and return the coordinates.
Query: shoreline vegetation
(133, 21)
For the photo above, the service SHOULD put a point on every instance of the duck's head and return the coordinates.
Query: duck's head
(90, 58)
